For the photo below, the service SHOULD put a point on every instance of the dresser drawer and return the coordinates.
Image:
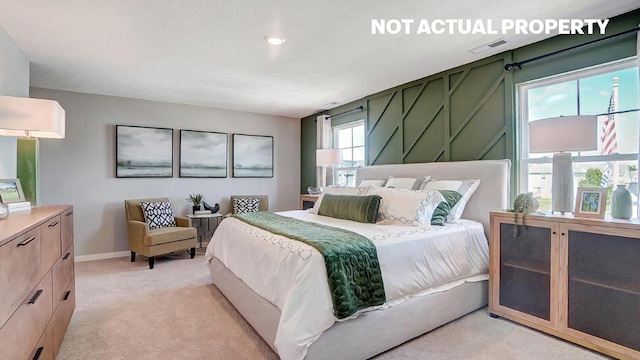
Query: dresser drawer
(44, 349)
(20, 335)
(63, 271)
(62, 316)
(19, 271)
(50, 247)
(67, 228)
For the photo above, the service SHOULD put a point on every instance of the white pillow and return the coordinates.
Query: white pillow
(465, 187)
(344, 190)
(403, 183)
(372, 182)
(406, 207)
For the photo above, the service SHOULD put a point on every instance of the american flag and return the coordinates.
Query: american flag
(608, 138)
(609, 141)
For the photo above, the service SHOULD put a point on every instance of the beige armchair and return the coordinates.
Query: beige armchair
(263, 206)
(155, 242)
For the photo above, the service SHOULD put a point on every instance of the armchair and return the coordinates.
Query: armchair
(160, 241)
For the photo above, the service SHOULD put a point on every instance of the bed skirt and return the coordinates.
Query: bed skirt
(382, 329)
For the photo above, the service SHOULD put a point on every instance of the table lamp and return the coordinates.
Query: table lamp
(30, 119)
(324, 158)
(561, 135)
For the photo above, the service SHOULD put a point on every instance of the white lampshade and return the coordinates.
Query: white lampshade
(565, 133)
(31, 117)
(327, 157)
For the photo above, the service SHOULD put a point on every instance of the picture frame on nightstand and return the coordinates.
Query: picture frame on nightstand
(591, 202)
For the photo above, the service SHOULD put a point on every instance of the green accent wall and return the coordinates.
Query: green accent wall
(28, 168)
(465, 113)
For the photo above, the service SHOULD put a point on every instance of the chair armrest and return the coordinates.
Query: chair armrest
(137, 229)
(182, 221)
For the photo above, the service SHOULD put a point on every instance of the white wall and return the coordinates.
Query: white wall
(80, 169)
(14, 81)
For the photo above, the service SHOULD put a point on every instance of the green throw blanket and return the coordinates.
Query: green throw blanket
(353, 270)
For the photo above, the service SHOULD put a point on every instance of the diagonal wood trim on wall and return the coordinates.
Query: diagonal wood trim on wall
(463, 114)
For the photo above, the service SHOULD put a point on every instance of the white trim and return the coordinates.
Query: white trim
(102, 256)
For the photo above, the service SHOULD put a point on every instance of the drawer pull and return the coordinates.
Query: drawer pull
(66, 295)
(27, 241)
(53, 224)
(36, 356)
(35, 297)
(69, 213)
(66, 256)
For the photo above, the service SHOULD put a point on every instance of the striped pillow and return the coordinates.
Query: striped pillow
(464, 187)
(360, 208)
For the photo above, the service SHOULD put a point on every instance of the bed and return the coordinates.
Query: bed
(275, 307)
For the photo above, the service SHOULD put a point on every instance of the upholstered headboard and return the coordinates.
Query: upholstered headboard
(492, 194)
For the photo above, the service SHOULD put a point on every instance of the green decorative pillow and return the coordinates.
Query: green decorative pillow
(358, 208)
(444, 208)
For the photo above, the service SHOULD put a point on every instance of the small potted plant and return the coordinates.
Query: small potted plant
(196, 200)
(523, 204)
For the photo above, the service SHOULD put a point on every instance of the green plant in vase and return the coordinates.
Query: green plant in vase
(523, 204)
(196, 201)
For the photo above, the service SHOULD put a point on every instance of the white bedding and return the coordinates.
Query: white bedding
(292, 275)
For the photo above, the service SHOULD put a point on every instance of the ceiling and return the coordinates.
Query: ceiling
(213, 53)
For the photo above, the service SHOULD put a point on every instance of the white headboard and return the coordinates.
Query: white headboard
(492, 194)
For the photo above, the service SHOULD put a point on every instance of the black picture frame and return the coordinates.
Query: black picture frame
(252, 156)
(143, 152)
(203, 154)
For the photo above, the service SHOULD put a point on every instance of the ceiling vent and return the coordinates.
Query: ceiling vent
(488, 46)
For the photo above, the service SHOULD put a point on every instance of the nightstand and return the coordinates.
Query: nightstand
(575, 278)
(206, 225)
(307, 201)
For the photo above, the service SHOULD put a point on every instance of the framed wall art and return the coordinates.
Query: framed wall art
(11, 191)
(591, 202)
(144, 152)
(252, 156)
(203, 154)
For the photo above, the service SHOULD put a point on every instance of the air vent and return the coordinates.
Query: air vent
(488, 46)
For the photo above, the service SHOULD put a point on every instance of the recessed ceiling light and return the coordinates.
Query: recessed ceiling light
(274, 40)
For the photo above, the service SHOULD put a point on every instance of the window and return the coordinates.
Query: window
(598, 90)
(349, 138)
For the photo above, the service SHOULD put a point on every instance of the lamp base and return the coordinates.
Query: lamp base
(562, 192)
(28, 168)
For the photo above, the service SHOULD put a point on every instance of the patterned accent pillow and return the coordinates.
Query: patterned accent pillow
(405, 183)
(407, 207)
(245, 205)
(339, 190)
(158, 214)
(464, 187)
(444, 208)
(362, 209)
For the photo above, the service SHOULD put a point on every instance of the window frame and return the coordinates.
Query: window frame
(335, 130)
(522, 119)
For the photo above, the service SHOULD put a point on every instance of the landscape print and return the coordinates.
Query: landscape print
(203, 154)
(144, 151)
(10, 191)
(252, 156)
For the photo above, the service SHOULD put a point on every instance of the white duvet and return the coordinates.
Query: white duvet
(292, 275)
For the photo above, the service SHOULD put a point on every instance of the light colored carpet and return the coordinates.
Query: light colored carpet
(126, 311)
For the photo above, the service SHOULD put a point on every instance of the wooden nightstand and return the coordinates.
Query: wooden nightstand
(307, 201)
(575, 278)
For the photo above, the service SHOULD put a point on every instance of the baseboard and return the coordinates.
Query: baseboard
(102, 256)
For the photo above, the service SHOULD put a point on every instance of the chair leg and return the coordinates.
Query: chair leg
(151, 260)
(192, 252)
(133, 256)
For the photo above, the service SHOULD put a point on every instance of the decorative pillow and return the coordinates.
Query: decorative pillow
(362, 209)
(464, 187)
(444, 208)
(404, 183)
(245, 205)
(338, 190)
(372, 183)
(407, 207)
(158, 214)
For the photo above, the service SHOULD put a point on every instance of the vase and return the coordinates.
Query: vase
(196, 208)
(621, 203)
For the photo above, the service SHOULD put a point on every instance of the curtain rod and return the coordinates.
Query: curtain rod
(344, 112)
(519, 64)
